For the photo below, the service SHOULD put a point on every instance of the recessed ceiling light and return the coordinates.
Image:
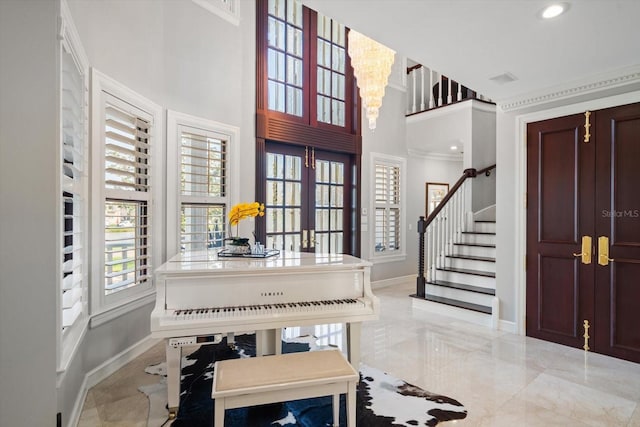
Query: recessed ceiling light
(453, 147)
(554, 10)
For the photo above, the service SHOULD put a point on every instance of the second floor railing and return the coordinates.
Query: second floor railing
(428, 89)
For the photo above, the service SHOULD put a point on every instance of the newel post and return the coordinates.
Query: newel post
(420, 280)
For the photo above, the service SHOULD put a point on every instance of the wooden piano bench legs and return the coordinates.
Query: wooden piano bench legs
(254, 381)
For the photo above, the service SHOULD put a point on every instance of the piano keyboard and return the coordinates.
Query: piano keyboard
(266, 309)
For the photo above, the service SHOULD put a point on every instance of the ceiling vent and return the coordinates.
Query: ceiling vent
(504, 78)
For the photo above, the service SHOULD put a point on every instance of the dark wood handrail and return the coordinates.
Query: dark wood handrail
(468, 173)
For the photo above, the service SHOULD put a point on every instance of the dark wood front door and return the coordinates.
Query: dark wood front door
(579, 189)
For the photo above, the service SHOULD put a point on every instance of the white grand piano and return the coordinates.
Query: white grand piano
(201, 296)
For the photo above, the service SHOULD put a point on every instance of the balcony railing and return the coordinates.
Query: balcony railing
(428, 89)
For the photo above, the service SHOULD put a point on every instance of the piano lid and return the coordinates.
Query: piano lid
(209, 261)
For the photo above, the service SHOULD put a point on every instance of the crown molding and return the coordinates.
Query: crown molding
(619, 78)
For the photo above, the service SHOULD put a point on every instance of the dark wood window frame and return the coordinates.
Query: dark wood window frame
(305, 130)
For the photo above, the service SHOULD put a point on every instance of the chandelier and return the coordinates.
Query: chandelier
(371, 63)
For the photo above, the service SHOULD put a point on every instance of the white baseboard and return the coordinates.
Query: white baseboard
(402, 280)
(453, 312)
(105, 369)
(507, 326)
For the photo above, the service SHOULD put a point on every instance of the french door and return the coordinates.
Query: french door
(583, 231)
(307, 199)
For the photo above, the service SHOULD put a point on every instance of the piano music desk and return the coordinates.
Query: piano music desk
(254, 381)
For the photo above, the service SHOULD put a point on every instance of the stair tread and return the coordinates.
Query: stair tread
(478, 232)
(467, 271)
(480, 245)
(473, 258)
(456, 303)
(485, 221)
(463, 286)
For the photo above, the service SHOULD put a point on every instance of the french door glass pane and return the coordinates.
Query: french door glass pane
(337, 173)
(293, 190)
(293, 168)
(292, 220)
(274, 193)
(322, 220)
(336, 243)
(275, 165)
(292, 242)
(275, 222)
(322, 242)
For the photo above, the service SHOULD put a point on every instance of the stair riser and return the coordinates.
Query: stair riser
(484, 239)
(469, 279)
(470, 264)
(474, 251)
(460, 295)
(484, 227)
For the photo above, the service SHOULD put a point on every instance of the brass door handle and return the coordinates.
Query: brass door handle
(603, 251)
(305, 242)
(586, 250)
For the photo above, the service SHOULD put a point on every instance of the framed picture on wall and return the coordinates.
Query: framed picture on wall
(435, 193)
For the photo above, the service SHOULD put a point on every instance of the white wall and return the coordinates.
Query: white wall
(483, 154)
(29, 213)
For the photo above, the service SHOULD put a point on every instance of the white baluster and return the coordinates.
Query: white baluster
(459, 92)
(449, 91)
(422, 88)
(415, 89)
(433, 249)
(445, 249)
(428, 244)
(430, 88)
(440, 91)
(450, 225)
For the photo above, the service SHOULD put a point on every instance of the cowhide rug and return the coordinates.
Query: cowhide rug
(382, 400)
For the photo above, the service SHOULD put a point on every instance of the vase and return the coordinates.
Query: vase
(238, 245)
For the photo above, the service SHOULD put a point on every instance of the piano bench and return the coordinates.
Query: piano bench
(253, 381)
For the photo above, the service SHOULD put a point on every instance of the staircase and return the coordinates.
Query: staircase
(457, 257)
(468, 275)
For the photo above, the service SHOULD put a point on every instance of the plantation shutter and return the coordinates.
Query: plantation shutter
(74, 223)
(203, 189)
(126, 151)
(128, 195)
(387, 208)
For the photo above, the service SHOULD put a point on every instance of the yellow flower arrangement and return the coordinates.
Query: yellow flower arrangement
(244, 210)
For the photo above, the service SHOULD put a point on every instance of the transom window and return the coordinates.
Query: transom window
(284, 56)
(331, 71)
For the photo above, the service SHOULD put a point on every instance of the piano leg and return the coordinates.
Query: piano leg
(174, 354)
(231, 340)
(353, 344)
(268, 341)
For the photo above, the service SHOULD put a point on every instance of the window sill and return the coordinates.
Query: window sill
(114, 312)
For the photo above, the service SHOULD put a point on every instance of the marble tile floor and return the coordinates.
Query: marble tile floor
(502, 379)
